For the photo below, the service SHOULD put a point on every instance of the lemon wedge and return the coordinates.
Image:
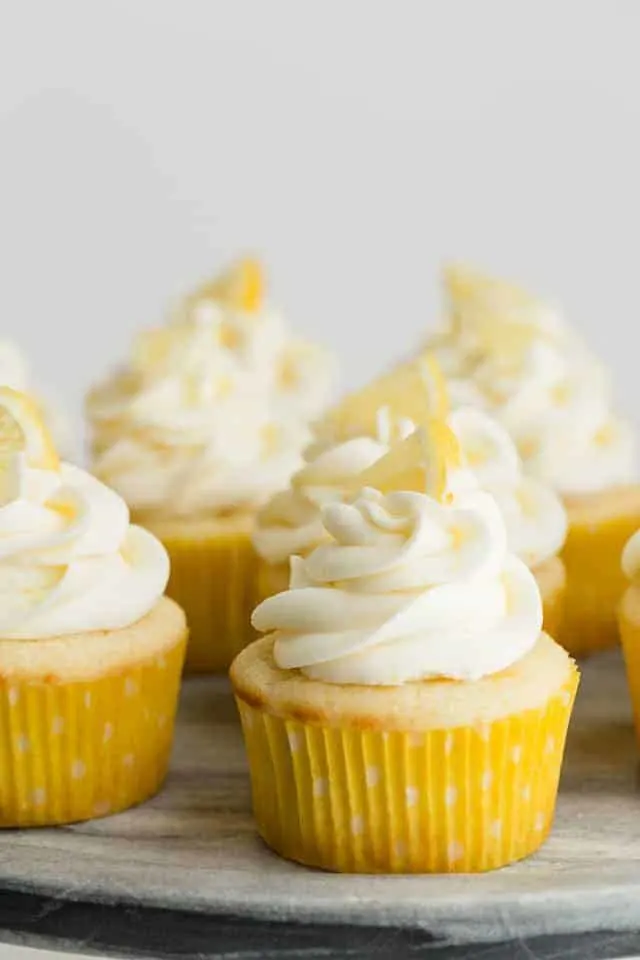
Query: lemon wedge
(402, 391)
(421, 463)
(240, 287)
(22, 430)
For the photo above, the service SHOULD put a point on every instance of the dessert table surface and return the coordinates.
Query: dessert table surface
(185, 875)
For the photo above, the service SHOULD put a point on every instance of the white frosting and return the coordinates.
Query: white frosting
(558, 411)
(407, 589)
(14, 372)
(70, 562)
(211, 414)
(533, 513)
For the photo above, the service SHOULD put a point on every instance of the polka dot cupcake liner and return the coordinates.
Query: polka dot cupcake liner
(214, 581)
(439, 801)
(595, 583)
(72, 751)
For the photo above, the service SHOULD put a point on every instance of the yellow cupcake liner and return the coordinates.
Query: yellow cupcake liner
(553, 612)
(465, 799)
(595, 584)
(630, 638)
(214, 581)
(271, 578)
(72, 751)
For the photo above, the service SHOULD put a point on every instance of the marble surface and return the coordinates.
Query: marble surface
(190, 860)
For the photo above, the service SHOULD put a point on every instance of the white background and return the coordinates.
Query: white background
(354, 143)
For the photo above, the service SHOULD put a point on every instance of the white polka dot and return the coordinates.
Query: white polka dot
(22, 743)
(128, 760)
(294, 740)
(538, 823)
(39, 797)
(385, 735)
(526, 792)
(57, 725)
(319, 786)
(450, 796)
(102, 808)
(448, 743)
(565, 698)
(357, 825)
(372, 775)
(486, 779)
(416, 740)
(411, 796)
(550, 745)
(455, 851)
(107, 732)
(78, 769)
(13, 695)
(516, 753)
(130, 687)
(496, 829)
(87, 698)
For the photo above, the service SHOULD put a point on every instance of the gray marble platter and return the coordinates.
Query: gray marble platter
(192, 852)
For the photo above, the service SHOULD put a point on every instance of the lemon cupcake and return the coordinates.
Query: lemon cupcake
(555, 399)
(404, 713)
(291, 523)
(90, 650)
(205, 424)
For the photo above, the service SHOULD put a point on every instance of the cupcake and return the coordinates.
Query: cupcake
(90, 650)
(403, 712)
(291, 523)
(206, 422)
(538, 379)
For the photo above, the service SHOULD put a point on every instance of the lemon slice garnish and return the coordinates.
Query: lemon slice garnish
(435, 387)
(22, 429)
(240, 287)
(422, 463)
(465, 286)
(404, 392)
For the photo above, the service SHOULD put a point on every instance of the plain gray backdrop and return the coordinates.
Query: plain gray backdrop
(355, 143)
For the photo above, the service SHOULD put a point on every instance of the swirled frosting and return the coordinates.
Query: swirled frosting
(533, 513)
(407, 589)
(559, 414)
(291, 523)
(210, 414)
(533, 372)
(70, 562)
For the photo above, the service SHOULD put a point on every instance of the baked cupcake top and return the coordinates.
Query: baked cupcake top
(291, 523)
(534, 374)
(410, 585)
(70, 561)
(212, 411)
